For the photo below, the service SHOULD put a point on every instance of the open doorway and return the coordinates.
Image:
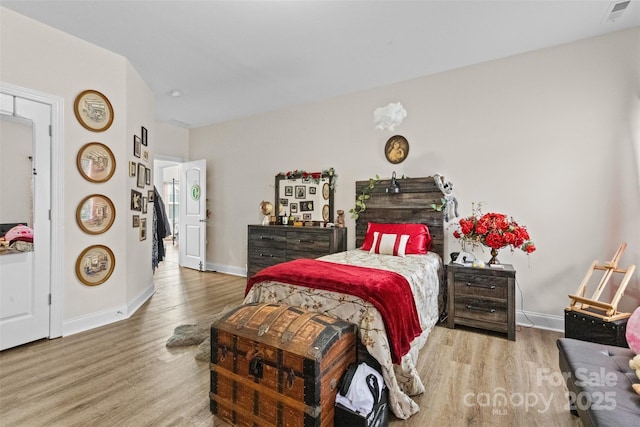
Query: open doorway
(167, 183)
(181, 187)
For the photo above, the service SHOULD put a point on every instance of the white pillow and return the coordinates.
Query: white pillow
(389, 244)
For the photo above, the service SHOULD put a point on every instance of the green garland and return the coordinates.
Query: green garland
(312, 176)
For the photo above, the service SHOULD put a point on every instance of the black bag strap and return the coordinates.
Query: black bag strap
(347, 378)
(345, 381)
(374, 388)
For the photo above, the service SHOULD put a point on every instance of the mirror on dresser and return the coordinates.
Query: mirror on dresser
(307, 196)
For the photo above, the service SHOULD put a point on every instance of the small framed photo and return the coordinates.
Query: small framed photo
(284, 202)
(147, 176)
(150, 196)
(143, 228)
(312, 190)
(144, 136)
(301, 191)
(144, 205)
(306, 206)
(306, 217)
(288, 190)
(293, 207)
(136, 221)
(137, 146)
(145, 155)
(142, 172)
(136, 200)
(132, 168)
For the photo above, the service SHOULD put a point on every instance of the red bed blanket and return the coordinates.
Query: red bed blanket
(388, 291)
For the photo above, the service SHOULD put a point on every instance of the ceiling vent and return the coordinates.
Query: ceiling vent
(615, 10)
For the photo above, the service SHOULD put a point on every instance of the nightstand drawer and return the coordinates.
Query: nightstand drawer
(480, 286)
(481, 309)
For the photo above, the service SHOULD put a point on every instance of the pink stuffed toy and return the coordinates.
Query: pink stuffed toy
(19, 232)
(633, 339)
(633, 331)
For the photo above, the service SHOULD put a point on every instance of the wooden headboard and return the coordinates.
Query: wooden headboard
(411, 205)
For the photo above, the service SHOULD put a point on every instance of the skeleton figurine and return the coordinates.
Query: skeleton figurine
(450, 201)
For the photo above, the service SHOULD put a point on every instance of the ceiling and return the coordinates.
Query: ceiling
(232, 59)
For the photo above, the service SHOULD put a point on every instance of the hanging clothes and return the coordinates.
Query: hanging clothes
(161, 229)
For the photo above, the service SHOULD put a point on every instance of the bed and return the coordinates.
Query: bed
(393, 340)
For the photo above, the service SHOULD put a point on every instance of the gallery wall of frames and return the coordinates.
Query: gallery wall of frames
(96, 163)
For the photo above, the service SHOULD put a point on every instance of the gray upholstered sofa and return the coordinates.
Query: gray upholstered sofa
(599, 381)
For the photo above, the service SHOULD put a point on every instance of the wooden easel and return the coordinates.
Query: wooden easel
(592, 306)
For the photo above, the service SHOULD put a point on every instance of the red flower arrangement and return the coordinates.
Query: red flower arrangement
(494, 230)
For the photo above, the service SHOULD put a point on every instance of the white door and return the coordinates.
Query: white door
(193, 215)
(25, 276)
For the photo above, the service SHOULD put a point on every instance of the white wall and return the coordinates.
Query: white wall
(139, 113)
(171, 142)
(38, 57)
(545, 136)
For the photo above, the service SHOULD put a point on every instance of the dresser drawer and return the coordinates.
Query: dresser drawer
(262, 260)
(267, 238)
(484, 310)
(268, 245)
(308, 242)
(480, 286)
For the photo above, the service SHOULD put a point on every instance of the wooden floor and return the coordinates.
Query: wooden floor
(123, 375)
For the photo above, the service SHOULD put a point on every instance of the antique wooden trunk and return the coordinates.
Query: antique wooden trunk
(277, 365)
(583, 327)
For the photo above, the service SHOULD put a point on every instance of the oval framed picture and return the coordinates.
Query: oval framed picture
(93, 110)
(326, 191)
(95, 214)
(96, 162)
(95, 265)
(396, 149)
(325, 213)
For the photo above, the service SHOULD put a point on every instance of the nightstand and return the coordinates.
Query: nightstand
(482, 298)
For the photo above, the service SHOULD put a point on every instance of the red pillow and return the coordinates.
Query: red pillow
(419, 237)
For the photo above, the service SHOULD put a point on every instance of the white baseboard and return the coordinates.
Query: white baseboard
(143, 297)
(105, 317)
(540, 321)
(227, 269)
(93, 320)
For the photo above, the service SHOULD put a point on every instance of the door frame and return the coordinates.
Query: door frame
(56, 104)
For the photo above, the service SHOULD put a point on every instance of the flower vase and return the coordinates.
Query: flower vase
(494, 257)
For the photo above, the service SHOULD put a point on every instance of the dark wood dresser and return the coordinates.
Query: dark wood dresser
(482, 298)
(272, 244)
